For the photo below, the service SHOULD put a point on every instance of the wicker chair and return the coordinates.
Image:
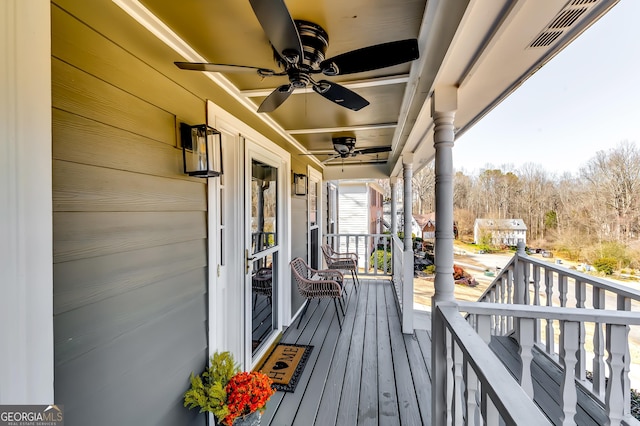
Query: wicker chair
(261, 283)
(342, 261)
(318, 284)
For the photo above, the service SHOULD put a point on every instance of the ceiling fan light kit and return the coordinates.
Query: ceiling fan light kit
(299, 49)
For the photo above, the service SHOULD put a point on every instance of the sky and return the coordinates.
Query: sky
(585, 100)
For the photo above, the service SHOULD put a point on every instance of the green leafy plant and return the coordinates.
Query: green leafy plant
(606, 265)
(225, 391)
(377, 260)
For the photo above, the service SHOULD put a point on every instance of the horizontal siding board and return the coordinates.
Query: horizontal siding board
(91, 280)
(79, 187)
(76, 91)
(80, 235)
(145, 364)
(96, 325)
(130, 262)
(75, 43)
(81, 140)
(353, 213)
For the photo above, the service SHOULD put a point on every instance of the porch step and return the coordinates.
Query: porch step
(547, 379)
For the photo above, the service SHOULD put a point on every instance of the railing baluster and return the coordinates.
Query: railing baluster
(489, 411)
(536, 300)
(525, 340)
(526, 272)
(562, 288)
(624, 304)
(458, 393)
(598, 346)
(510, 298)
(471, 395)
(568, 360)
(503, 300)
(483, 327)
(449, 377)
(581, 296)
(548, 288)
(614, 399)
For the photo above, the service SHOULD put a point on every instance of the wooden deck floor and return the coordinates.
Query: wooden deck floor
(368, 374)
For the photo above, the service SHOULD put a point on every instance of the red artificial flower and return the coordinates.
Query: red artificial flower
(247, 392)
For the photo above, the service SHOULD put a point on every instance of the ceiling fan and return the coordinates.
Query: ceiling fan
(299, 48)
(345, 147)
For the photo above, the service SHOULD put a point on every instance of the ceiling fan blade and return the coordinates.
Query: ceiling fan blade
(372, 57)
(331, 159)
(277, 24)
(340, 95)
(373, 150)
(276, 98)
(205, 66)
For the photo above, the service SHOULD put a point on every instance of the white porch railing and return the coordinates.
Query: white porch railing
(470, 386)
(365, 245)
(562, 313)
(382, 255)
(398, 275)
(614, 329)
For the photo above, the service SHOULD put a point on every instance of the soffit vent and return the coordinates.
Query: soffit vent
(566, 18)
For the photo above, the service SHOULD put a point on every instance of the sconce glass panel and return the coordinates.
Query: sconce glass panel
(201, 150)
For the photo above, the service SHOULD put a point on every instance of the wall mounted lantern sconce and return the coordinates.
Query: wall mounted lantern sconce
(300, 184)
(201, 150)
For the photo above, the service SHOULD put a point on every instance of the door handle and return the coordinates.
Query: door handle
(248, 259)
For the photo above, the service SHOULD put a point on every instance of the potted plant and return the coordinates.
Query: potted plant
(235, 398)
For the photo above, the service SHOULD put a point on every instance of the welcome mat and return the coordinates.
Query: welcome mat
(285, 364)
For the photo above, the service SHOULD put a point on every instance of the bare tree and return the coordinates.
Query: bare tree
(614, 178)
(424, 187)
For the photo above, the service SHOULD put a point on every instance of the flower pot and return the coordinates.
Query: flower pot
(252, 419)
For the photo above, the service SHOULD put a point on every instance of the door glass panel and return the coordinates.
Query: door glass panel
(263, 293)
(313, 203)
(264, 179)
(264, 249)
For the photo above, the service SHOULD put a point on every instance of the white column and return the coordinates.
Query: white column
(407, 164)
(407, 261)
(394, 205)
(26, 265)
(444, 105)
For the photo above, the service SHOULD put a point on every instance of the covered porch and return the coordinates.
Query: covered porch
(531, 350)
(119, 263)
(370, 373)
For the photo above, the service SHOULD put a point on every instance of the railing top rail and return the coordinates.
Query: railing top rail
(620, 289)
(358, 235)
(512, 402)
(551, 312)
(498, 276)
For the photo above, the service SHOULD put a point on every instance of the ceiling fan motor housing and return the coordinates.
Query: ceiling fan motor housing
(315, 41)
(344, 145)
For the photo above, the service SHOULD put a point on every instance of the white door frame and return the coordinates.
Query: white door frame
(315, 175)
(281, 298)
(228, 326)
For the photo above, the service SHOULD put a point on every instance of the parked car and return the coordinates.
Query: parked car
(547, 253)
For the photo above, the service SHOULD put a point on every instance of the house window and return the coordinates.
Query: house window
(313, 203)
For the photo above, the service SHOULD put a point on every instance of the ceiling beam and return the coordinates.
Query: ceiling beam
(356, 84)
(341, 129)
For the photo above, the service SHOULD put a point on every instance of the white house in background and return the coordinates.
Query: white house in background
(359, 212)
(502, 231)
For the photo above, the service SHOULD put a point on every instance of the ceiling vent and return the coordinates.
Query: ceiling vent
(564, 20)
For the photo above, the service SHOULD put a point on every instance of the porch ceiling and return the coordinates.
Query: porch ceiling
(483, 48)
